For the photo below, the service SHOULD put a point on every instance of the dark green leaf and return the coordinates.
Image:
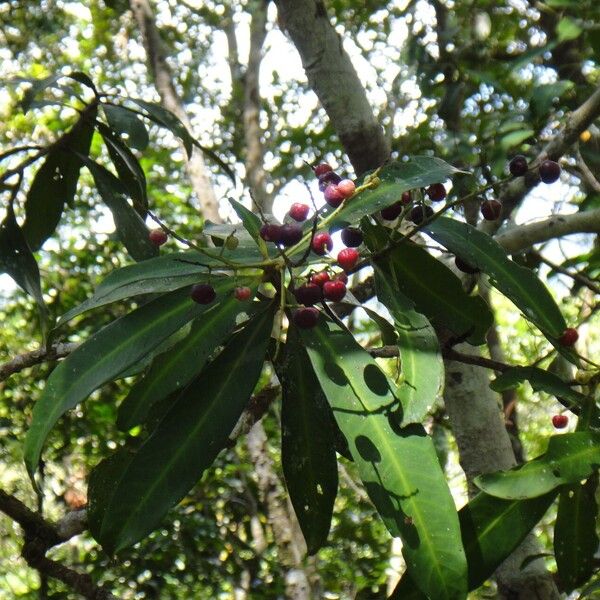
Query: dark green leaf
(251, 223)
(395, 178)
(55, 182)
(17, 260)
(126, 122)
(174, 369)
(491, 529)
(575, 533)
(188, 438)
(540, 380)
(398, 466)
(130, 172)
(543, 96)
(570, 458)
(37, 86)
(83, 79)
(517, 283)
(436, 291)
(307, 453)
(421, 360)
(107, 354)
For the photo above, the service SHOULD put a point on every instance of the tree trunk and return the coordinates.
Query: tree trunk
(163, 79)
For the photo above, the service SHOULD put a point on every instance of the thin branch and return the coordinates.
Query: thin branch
(29, 359)
(582, 279)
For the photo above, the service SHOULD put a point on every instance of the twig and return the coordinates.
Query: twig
(582, 279)
(29, 359)
(479, 361)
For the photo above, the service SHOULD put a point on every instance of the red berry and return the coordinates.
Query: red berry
(290, 234)
(270, 232)
(347, 258)
(322, 243)
(406, 198)
(308, 294)
(518, 166)
(560, 421)
(320, 278)
(299, 211)
(306, 318)
(389, 213)
(491, 209)
(321, 169)
(465, 267)
(242, 293)
(352, 237)
(203, 293)
(346, 187)
(329, 178)
(549, 171)
(334, 290)
(158, 237)
(333, 196)
(436, 192)
(342, 277)
(569, 337)
(419, 213)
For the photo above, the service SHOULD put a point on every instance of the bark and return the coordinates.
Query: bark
(484, 446)
(333, 78)
(163, 80)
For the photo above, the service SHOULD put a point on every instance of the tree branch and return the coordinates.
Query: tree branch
(29, 359)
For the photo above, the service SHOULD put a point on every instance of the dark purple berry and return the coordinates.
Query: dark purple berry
(389, 213)
(306, 318)
(327, 179)
(203, 293)
(420, 213)
(436, 192)
(290, 234)
(352, 237)
(491, 209)
(321, 169)
(270, 232)
(518, 166)
(308, 294)
(465, 267)
(549, 171)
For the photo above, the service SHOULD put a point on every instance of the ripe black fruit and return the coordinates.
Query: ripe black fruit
(549, 171)
(420, 213)
(203, 293)
(491, 209)
(352, 237)
(518, 166)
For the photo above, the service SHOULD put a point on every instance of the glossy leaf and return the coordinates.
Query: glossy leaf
(251, 223)
(436, 292)
(55, 182)
(540, 380)
(130, 172)
(187, 439)
(131, 229)
(517, 283)
(398, 466)
(107, 354)
(421, 360)
(17, 260)
(307, 452)
(126, 122)
(491, 529)
(570, 458)
(575, 533)
(395, 178)
(174, 369)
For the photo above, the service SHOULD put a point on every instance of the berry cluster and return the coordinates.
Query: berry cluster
(548, 170)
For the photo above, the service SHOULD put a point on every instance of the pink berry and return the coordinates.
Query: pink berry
(333, 196)
(560, 421)
(321, 169)
(320, 278)
(569, 337)
(306, 318)
(308, 294)
(203, 293)
(299, 211)
(158, 237)
(346, 187)
(242, 293)
(436, 192)
(334, 290)
(347, 258)
(322, 243)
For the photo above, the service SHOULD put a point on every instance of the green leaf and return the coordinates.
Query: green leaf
(575, 533)
(55, 182)
(130, 172)
(131, 229)
(421, 360)
(515, 138)
(174, 369)
(251, 223)
(37, 86)
(187, 440)
(543, 96)
(396, 177)
(398, 466)
(491, 529)
(107, 354)
(126, 122)
(436, 292)
(307, 452)
(17, 260)
(570, 458)
(540, 380)
(517, 283)
(568, 29)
